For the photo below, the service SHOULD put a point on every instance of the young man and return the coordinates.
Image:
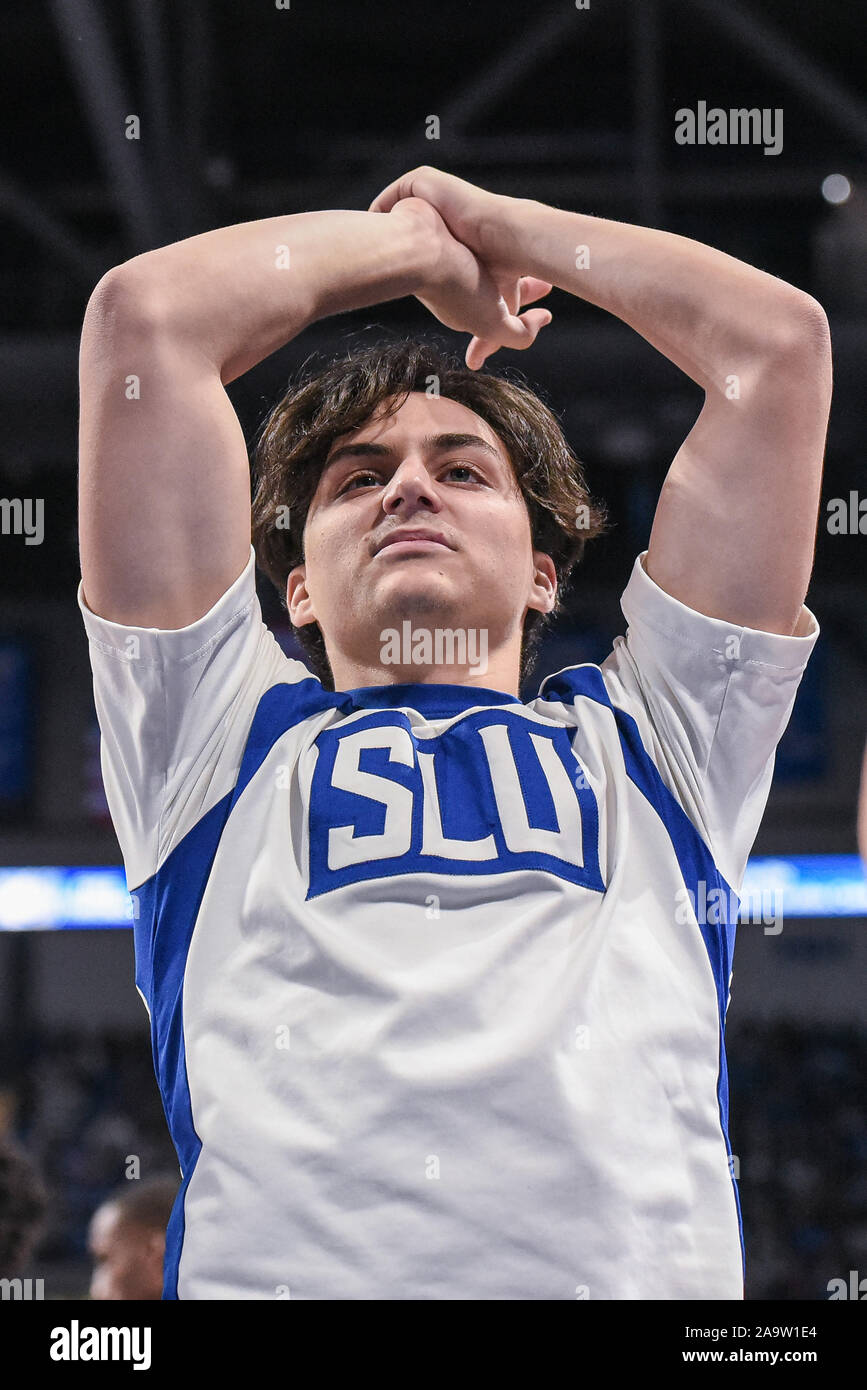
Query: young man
(437, 979)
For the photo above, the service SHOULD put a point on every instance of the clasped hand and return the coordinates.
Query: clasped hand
(469, 282)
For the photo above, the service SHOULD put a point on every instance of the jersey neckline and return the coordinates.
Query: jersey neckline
(438, 701)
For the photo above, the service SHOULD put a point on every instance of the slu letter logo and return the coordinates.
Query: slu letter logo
(491, 795)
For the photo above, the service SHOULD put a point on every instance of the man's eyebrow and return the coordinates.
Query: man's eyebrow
(433, 443)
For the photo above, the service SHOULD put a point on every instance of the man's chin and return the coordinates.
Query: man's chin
(441, 603)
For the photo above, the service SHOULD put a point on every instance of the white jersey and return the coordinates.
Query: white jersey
(437, 1000)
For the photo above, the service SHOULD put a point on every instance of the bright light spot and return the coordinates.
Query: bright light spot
(836, 188)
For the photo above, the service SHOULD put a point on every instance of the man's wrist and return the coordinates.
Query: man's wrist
(418, 243)
(504, 232)
(376, 257)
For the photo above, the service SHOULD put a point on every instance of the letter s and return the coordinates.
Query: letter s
(345, 847)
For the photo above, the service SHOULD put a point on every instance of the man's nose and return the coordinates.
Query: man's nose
(411, 482)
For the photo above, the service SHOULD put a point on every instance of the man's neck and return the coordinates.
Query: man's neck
(498, 670)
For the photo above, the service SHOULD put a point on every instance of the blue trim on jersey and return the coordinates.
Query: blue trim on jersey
(281, 708)
(167, 905)
(438, 701)
(693, 856)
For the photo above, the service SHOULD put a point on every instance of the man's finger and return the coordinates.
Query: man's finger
(385, 201)
(400, 188)
(517, 294)
(532, 289)
(522, 330)
(478, 349)
(517, 332)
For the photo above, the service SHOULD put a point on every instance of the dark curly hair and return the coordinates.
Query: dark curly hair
(295, 438)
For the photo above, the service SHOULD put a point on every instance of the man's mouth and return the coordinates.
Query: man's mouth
(413, 540)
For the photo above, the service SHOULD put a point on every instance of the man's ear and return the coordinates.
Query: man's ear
(298, 602)
(543, 595)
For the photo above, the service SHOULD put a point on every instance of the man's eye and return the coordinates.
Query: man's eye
(374, 477)
(354, 479)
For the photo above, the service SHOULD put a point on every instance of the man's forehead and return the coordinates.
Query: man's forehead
(433, 414)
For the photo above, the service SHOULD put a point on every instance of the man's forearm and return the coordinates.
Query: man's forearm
(709, 313)
(239, 293)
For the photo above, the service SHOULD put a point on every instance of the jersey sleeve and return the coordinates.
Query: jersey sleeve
(711, 701)
(174, 710)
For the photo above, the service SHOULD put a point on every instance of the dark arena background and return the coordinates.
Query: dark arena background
(250, 110)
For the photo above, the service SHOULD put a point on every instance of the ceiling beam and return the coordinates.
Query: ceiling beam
(539, 37)
(779, 53)
(590, 190)
(85, 39)
(159, 130)
(50, 232)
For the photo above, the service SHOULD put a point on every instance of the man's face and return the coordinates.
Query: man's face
(434, 465)
(128, 1257)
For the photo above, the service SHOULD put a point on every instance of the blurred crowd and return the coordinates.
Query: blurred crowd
(87, 1114)
(799, 1128)
(88, 1173)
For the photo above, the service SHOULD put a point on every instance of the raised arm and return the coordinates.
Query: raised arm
(734, 530)
(164, 481)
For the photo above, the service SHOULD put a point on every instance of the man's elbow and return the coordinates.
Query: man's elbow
(802, 329)
(126, 297)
